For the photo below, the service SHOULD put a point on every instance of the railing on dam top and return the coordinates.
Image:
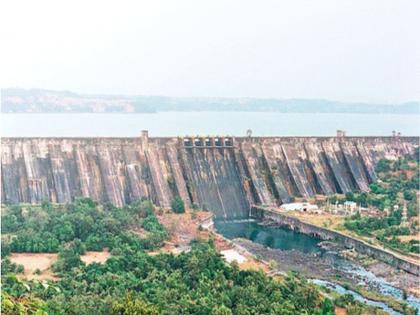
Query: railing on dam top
(208, 142)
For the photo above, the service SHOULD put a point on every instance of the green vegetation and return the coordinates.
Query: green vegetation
(8, 266)
(397, 187)
(398, 181)
(131, 281)
(198, 282)
(69, 257)
(129, 306)
(388, 225)
(26, 304)
(48, 229)
(327, 307)
(395, 304)
(177, 205)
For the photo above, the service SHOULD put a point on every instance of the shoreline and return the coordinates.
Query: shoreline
(315, 267)
(350, 242)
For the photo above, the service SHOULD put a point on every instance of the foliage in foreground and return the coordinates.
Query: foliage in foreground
(134, 282)
(198, 282)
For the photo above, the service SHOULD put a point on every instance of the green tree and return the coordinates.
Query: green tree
(130, 306)
(78, 247)
(27, 304)
(349, 196)
(68, 258)
(65, 232)
(221, 310)
(9, 223)
(383, 166)
(327, 307)
(177, 205)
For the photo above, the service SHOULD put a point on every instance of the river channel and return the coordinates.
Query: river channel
(298, 252)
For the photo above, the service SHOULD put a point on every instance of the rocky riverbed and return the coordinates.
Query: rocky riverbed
(397, 278)
(329, 265)
(311, 265)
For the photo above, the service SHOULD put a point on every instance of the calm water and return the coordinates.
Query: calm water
(285, 239)
(272, 237)
(203, 123)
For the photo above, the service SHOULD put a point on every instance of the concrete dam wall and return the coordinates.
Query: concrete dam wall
(223, 174)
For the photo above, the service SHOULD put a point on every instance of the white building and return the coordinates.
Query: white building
(350, 206)
(299, 206)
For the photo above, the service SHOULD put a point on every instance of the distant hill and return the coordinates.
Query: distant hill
(15, 100)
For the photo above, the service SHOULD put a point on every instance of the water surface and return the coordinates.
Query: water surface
(206, 123)
(278, 238)
(285, 239)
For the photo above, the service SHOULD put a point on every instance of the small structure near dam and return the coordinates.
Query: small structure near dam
(223, 174)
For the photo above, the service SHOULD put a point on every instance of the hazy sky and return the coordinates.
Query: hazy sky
(359, 50)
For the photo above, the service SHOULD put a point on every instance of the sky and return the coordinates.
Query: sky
(356, 51)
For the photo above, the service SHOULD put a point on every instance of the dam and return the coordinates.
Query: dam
(223, 174)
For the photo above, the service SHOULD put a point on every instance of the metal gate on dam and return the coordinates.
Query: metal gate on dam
(223, 174)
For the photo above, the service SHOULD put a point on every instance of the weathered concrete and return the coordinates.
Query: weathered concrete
(330, 235)
(223, 174)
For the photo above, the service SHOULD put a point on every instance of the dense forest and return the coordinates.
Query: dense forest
(198, 282)
(132, 281)
(45, 229)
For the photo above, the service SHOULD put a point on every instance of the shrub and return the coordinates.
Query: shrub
(68, 258)
(177, 205)
(383, 166)
(130, 305)
(20, 269)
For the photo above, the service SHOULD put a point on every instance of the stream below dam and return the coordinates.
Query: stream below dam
(302, 253)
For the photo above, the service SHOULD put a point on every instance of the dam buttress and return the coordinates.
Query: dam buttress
(223, 174)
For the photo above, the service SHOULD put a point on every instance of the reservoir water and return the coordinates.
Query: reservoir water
(290, 241)
(204, 123)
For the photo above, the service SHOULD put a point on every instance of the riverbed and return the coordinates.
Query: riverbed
(293, 251)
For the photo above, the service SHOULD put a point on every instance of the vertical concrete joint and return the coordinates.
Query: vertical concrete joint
(145, 139)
